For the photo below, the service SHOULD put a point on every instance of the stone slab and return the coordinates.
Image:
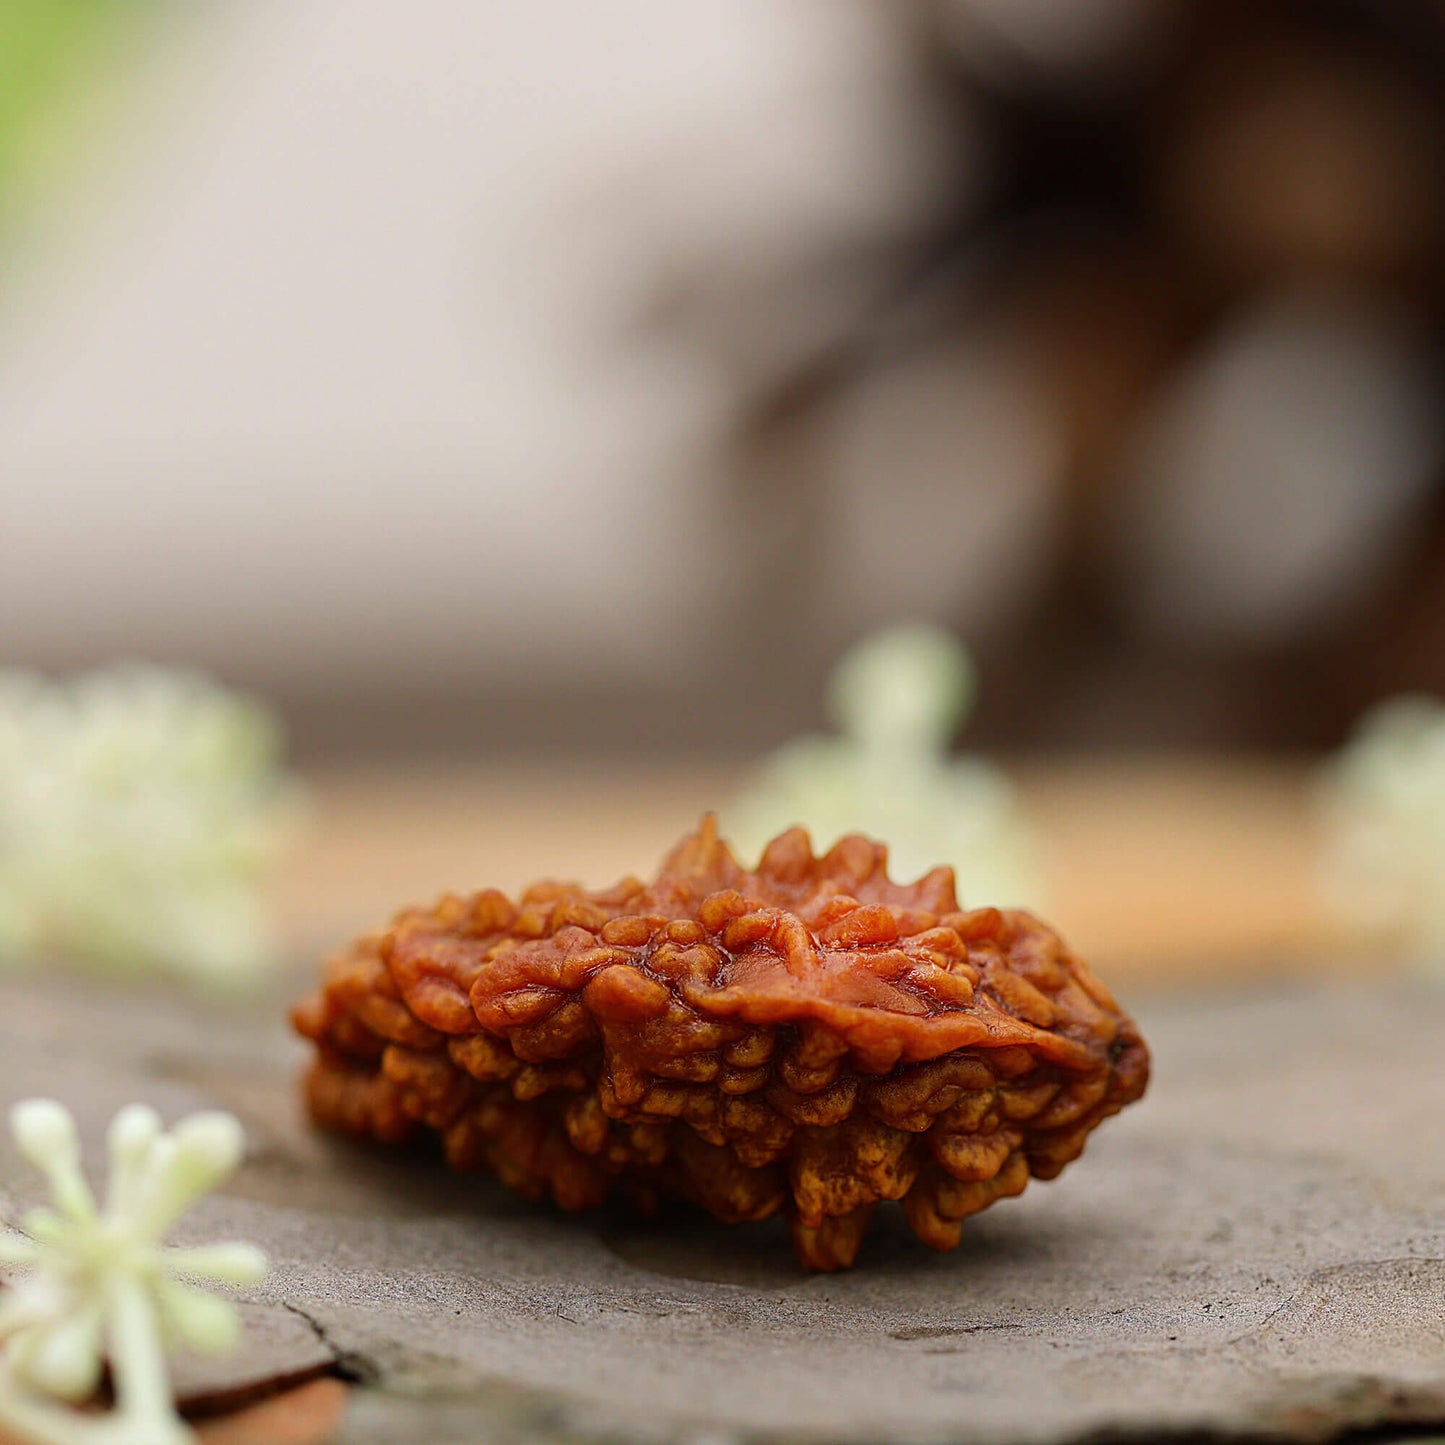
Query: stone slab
(1257, 1249)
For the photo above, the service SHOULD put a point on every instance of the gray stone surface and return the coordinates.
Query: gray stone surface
(1258, 1248)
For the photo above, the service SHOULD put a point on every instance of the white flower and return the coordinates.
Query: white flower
(1383, 801)
(139, 810)
(897, 698)
(99, 1283)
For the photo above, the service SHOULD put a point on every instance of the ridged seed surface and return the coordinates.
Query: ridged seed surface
(809, 1037)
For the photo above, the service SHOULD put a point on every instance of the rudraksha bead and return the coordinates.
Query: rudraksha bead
(808, 1037)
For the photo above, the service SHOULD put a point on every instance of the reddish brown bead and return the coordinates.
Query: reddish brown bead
(810, 1037)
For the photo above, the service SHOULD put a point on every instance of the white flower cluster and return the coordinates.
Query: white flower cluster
(1384, 808)
(139, 810)
(100, 1285)
(897, 699)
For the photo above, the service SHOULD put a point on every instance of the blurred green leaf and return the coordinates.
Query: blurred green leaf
(51, 52)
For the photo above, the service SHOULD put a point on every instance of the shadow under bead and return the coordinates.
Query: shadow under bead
(809, 1037)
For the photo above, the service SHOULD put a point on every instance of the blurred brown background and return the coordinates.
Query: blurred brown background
(504, 390)
(473, 376)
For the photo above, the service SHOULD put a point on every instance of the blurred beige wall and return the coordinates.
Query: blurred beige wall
(600, 371)
(334, 365)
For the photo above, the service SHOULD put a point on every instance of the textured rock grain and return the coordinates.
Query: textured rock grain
(1258, 1253)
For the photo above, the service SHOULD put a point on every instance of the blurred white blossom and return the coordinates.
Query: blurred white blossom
(1384, 807)
(897, 699)
(99, 1284)
(139, 811)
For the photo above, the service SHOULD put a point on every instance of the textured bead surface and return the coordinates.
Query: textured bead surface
(809, 1037)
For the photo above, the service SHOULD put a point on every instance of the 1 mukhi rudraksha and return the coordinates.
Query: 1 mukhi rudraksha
(809, 1037)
